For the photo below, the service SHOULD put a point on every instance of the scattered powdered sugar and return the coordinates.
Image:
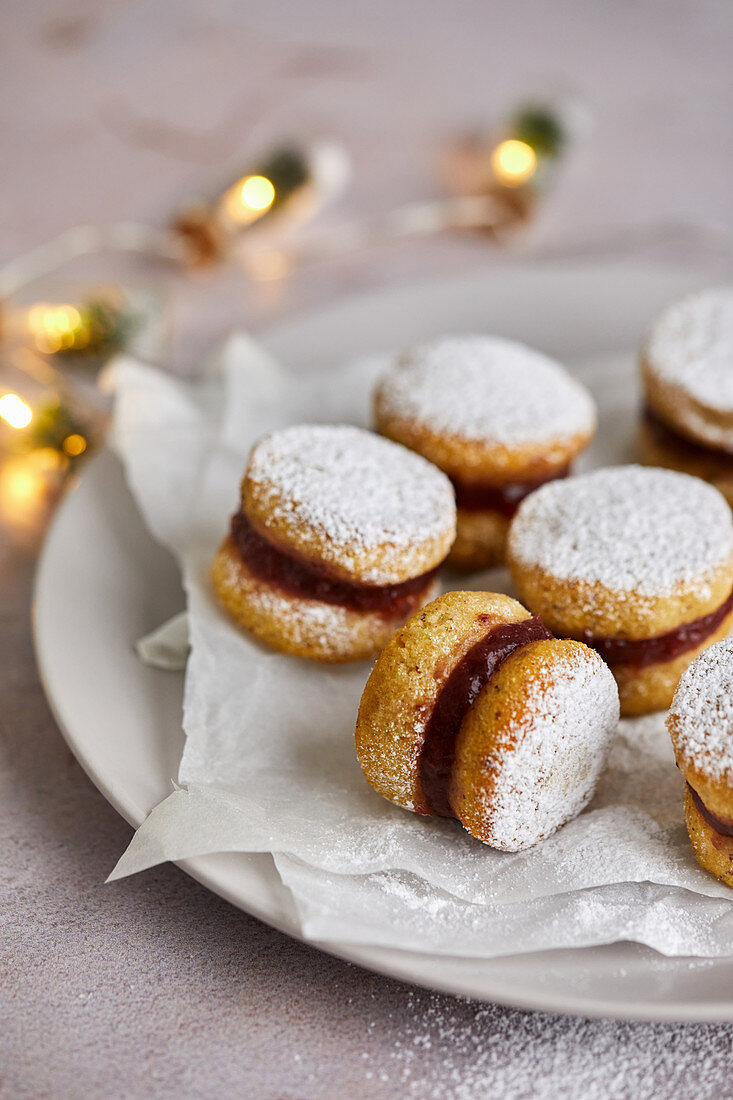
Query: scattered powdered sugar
(701, 715)
(552, 772)
(691, 345)
(630, 528)
(486, 388)
(444, 1048)
(353, 488)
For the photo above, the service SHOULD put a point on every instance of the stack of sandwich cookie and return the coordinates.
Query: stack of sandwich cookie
(700, 723)
(498, 417)
(636, 562)
(473, 711)
(687, 374)
(336, 542)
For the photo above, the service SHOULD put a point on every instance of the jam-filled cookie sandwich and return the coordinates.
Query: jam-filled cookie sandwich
(474, 711)
(687, 375)
(700, 723)
(498, 417)
(637, 563)
(336, 542)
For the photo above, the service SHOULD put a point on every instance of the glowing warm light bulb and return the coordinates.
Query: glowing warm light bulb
(249, 199)
(15, 411)
(513, 162)
(55, 328)
(74, 445)
(258, 193)
(23, 492)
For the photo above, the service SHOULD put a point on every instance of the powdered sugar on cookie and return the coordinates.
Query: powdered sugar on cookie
(562, 732)
(354, 489)
(629, 528)
(486, 388)
(691, 346)
(701, 716)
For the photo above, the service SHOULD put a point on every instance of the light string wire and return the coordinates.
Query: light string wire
(87, 240)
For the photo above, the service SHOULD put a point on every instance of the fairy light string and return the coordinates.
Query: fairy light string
(496, 182)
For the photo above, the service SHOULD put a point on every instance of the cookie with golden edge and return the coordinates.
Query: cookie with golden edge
(700, 723)
(687, 376)
(498, 417)
(659, 446)
(636, 562)
(686, 368)
(337, 541)
(474, 711)
(302, 627)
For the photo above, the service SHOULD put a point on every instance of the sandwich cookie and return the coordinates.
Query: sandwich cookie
(700, 723)
(474, 711)
(637, 563)
(498, 417)
(687, 376)
(336, 542)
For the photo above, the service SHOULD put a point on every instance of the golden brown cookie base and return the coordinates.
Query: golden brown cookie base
(297, 626)
(655, 451)
(481, 460)
(684, 413)
(405, 682)
(480, 540)
(643, 690)
(570, 608)
(716, 794)
(714, 852)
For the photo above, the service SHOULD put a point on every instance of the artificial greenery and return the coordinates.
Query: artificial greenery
(53, 422)
(541, 128)
(105, 329)
(287, 170)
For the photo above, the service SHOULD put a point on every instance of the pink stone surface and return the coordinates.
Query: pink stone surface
(152, 987)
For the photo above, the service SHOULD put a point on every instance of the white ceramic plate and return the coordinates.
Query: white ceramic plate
(103, 582)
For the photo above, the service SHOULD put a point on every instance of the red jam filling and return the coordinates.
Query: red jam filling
(641, 652)
(724, 828)
(457, 695)
(668, 437)
(477, 496)
(299, 577)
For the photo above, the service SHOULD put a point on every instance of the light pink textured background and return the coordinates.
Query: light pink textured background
(118, 109)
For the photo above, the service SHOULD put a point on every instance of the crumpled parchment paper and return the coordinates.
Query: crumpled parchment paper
(269, 762)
